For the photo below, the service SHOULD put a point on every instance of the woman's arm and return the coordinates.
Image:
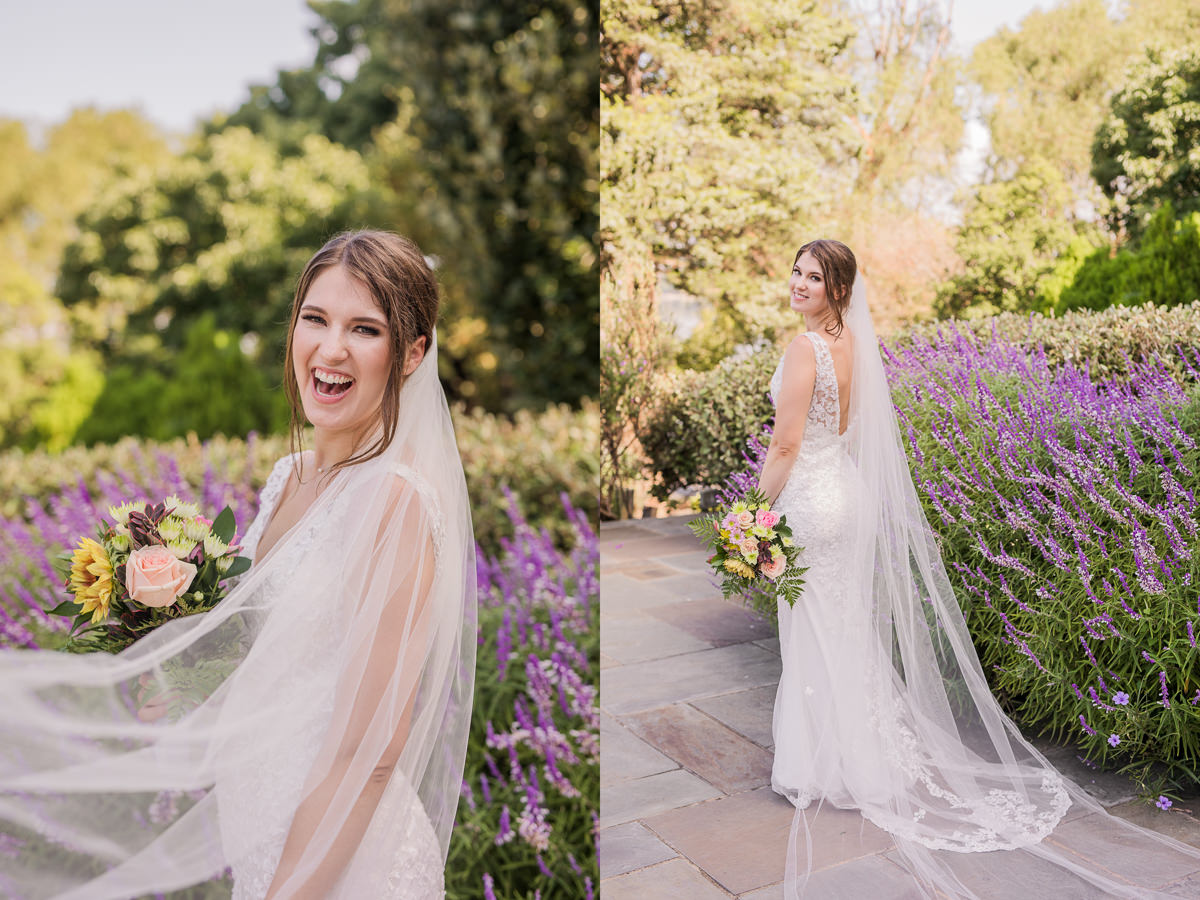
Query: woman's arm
(791, 412)
(376, 696)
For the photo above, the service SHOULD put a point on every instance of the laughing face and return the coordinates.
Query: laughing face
(341, 354)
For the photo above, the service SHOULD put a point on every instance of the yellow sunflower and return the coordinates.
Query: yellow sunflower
(91, 579)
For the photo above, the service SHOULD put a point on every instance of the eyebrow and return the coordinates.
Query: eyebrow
(372, 319)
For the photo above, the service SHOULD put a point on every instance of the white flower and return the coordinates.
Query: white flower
(214, 546)
(224, 563)
(196, 530)
(181, 509)
(181, 547)
(121, 513)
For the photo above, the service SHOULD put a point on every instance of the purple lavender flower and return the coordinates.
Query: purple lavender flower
(1114, 740)
(1120, 698)
(1163, 803)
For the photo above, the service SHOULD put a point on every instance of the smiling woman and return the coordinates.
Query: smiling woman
(320, 751)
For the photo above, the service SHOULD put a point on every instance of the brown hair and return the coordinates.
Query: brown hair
(394, 271)
(839, 268)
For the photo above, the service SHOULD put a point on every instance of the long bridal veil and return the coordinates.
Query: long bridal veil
(341, 664)
(973, 808)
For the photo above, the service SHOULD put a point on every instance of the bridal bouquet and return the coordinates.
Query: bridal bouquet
(154, 563)
(753, 547)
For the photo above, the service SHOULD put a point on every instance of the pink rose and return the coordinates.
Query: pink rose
(155, 577)
(774, 566)
(745, 519)
(749, 548)
(766, 519)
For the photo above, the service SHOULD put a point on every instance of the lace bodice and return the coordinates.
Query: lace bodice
(399, 856)
(824, 412)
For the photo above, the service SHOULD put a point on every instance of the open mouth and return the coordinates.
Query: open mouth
(330, 385)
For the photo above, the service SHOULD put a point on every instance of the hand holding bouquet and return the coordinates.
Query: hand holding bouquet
(753, 549)
(153, 564)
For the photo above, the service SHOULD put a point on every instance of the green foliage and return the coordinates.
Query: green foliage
(224, 229)
(480, 124)
(1144, 154)
(1044, 87)
(1010, 239)
(696, 431)
(537, 455)
(633, 348)
(1163, 268)
(714, 118)
(1108, 342)
(212, 388)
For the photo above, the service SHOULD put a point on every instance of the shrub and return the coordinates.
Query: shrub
(1163, 268)
(531, 786)
(1108, 342)
(695, 433)
(532, 781)
(537, 455)
(1065, 512)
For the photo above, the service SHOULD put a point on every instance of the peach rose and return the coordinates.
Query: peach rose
(745, 519)
(774, 566)
(766, 519)
(155, 577)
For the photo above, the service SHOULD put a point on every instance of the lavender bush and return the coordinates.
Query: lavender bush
(531, 788)
(530, 792)
(1065, 509)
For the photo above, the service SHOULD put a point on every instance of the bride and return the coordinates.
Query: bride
(882, 705)
(308, 734)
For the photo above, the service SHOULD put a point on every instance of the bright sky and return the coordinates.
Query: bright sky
(177, 60)
(180, 60)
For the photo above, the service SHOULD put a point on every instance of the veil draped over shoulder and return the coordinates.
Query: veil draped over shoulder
(974, 809)
(338, 669)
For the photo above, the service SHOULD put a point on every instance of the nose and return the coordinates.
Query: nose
(333, 345)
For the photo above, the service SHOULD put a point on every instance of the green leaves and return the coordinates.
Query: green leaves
(1144, 153)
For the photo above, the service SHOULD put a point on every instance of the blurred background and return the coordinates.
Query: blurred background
(166, 169)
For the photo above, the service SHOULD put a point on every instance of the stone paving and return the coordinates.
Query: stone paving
(687, 683)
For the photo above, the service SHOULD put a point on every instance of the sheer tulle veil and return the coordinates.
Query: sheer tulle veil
(967, 800)
(321, 674)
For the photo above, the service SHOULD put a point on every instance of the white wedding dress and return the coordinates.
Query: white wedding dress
(399, 857)
(326, 697)
(882, 705)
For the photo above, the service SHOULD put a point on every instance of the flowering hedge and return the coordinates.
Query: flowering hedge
(530, 792)
(537, 455)
(1065, 510)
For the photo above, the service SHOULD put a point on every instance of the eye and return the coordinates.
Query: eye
(312, 317)
(370, 330)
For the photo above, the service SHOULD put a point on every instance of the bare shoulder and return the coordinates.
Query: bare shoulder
(799, 359)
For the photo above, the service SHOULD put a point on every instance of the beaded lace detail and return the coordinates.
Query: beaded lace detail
(399, 856)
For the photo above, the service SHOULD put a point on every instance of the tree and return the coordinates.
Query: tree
(480, 119)
(724, 133)
(224, 230)
(1011, 237)
(1145, 152)
(908, 120)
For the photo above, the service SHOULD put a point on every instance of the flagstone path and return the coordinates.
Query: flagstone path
(687, 683)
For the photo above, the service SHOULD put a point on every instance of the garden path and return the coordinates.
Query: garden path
(687, 683)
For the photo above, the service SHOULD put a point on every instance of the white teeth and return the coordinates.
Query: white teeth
(332, 377)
